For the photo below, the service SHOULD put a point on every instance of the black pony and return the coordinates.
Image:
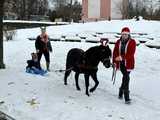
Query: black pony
(87, 63)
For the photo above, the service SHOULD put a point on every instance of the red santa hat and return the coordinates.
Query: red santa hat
(125, 30)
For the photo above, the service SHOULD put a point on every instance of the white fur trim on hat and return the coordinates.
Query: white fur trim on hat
(125, 32)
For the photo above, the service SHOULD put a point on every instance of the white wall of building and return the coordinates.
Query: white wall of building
(93, 8)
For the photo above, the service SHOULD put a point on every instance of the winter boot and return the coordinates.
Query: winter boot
(126, 96)
(47, 66)
(120, 96)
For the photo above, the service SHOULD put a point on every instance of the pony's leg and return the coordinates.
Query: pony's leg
(67, 73)
(86, 76)
(76, 79)
(94, 77)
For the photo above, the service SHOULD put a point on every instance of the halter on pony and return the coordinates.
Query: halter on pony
(104, 42)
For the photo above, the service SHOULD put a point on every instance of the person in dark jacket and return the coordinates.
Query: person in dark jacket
(43, 46)
(123, 58)
(34, 66)
(33, 62)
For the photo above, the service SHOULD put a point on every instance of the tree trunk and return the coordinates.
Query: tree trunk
(71, 14)
(2, 66)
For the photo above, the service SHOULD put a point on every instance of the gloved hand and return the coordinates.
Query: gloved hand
(119, 58)
(37, 51)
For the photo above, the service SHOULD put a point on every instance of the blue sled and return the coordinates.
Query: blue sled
(36, 71)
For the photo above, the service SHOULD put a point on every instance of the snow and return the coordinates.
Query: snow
(153, 43)
(38, 22)
(34, 97)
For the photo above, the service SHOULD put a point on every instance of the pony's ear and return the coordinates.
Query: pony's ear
(104, 41)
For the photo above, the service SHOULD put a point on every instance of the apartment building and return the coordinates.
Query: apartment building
(100, 10)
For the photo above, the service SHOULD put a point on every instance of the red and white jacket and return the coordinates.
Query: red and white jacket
(128, 57)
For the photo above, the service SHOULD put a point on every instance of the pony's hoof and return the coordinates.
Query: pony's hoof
(78, 89)
(91, 90)
(65, 83)
(87, 94)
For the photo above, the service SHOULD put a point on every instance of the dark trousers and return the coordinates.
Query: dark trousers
(46, 55)
(125, 78)
(124, 89)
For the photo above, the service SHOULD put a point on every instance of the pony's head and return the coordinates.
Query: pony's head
(105, 55)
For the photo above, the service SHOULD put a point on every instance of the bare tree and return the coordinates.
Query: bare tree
(76, 11)
(25, 8)
(68, 10)
(151, 10)
(60, 3)
(2, 66)
(70, 5)
(122, 6)
(131, 8)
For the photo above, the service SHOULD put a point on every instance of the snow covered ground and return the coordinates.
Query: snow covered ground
(34, 97)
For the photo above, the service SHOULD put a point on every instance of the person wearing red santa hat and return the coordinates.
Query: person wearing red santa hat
(123, 58)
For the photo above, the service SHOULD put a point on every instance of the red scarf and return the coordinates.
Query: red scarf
(44, 37)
